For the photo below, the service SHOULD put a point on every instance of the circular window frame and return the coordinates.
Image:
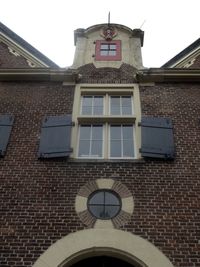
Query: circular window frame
(104, 204)
(127, 203)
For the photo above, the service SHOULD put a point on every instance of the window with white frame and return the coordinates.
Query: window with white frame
(92, 105)
(121, 141)
(121, 105)
(90, 141)
(106, 119)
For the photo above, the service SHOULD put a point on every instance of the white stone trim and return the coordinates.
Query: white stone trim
(105, 183)
(110, 242)
(127, 202)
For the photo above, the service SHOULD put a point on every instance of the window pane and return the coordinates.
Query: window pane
(126, 105)
(128, 148)
(115, 110)
(97, 211)
(98, 111)
(115, 148)
(85, 132)
(96, 150)
(86, 105)
(97, 132)
(115, 100)
(112, 53)
(104, 46)
(97, 198)
(115, 132)
(84, 148)
(86, 110)
(113, 46)
(126, 100)
(98, 105)
(126, 110)
(111, 211)
(115, 105)
(98, 101)
(111, 199)
(87, 101)
(127, 132)
(103, 52)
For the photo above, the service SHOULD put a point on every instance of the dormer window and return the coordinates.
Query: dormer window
(108, 50)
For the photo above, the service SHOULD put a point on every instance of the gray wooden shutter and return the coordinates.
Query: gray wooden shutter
(55, 137)
(157, 138)
(6, 122)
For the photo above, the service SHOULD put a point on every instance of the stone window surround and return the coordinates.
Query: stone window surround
(106, 89)
(127, 203)
(99, 57)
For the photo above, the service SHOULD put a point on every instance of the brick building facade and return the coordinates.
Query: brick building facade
(46, 218)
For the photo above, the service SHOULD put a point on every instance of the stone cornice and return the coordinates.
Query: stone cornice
(39, 74)
(168, 75)
(70, 75)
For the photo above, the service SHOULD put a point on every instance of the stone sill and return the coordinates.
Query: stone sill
(106, 160)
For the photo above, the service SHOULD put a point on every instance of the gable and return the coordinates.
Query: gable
(188, 58)
(17, 53)
(10, 58)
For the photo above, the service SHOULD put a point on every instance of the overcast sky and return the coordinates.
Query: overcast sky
(48, 25)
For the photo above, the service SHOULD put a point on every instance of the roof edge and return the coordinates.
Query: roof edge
(182, 54)
(29, 48)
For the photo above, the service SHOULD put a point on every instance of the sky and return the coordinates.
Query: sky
(48, 25)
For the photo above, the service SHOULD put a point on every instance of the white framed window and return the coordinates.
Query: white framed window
(106, 122)
(107, 49)
(121, 141)
(90, 141)
(121, 105)
(92, 105)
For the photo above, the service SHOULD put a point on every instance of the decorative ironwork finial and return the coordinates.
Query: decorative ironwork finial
(108, 17)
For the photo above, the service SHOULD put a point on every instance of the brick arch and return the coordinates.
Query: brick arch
(111, 242)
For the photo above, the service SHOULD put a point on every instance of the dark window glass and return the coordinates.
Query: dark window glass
(104, 204)
(102, 261)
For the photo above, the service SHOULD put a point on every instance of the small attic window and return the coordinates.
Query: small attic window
(108, 50)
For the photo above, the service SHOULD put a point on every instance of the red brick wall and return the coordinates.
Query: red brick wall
(8, 60)
(196, 64)
(37, 197)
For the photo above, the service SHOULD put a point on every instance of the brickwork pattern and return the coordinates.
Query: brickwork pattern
(90, 74)
(8, 60)
(37, 196)
(196, 64)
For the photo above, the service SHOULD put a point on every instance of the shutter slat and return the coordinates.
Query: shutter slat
(55, 137)
(157, 138)
(6, 122)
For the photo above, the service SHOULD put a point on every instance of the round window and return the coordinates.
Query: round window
(104, 204)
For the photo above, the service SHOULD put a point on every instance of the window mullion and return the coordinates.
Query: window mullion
(122, 148)
(92, 105)
(120, 105)
(90, 151)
